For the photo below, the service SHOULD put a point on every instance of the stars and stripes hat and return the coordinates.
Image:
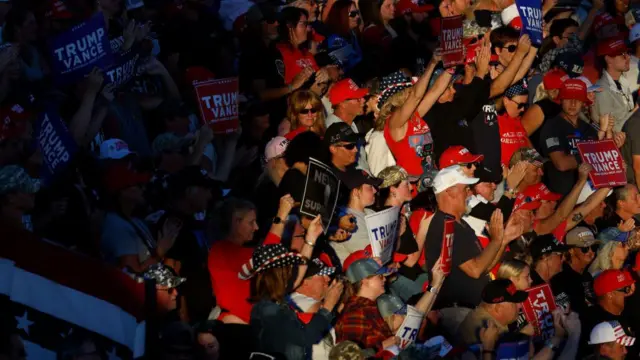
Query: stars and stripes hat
(163, 275)
(14, 178)
(610, 331)
(267, 257)
(316, 267)
(393, 84)
(516, 90)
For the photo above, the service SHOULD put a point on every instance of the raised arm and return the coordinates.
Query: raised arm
(505, 79)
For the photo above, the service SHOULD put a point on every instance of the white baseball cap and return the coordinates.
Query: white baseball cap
(114, 149)
(634, 34)
(133, 4)
(275, 147)
(610, 331)
(451, 176)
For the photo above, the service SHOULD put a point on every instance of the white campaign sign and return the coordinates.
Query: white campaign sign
(410, 327)
(383, 229)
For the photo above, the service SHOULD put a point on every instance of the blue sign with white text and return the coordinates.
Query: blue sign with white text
(123, 69)
(55, 142)
(77, 51)
(531, 15)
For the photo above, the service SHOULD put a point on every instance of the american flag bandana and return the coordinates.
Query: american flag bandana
(620, 335)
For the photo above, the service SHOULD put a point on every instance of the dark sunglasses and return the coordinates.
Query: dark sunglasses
(350, 146)
(521, 106)
(593, 248)
(470, 165)
(308, 111)
(625, 290)
(511, 48)
(354, 14)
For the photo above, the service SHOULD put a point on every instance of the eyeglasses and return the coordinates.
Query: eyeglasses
(306, 23)
(593, 248)
(470, 165)
(308, 111)
(521, 106)
(625, 290)
(354, 14)
(350, 146)
(510, 48)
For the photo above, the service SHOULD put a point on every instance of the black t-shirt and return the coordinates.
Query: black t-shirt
(550, 109)
(191, 249)
(449, 122)
(409, 54)
(572, 290)
(485, 210)
(458, 287)
(559, 134)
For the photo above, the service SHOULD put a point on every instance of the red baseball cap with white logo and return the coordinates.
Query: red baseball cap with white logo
(456, 155)
(611, 47)
(611, 280)
(574, 89)
(412, 6)
(344, 90)
(554, 79)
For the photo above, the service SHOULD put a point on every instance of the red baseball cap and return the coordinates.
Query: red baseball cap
(470, 55)
(58, 10)
(456, 155)
(611, 47)
(611, 280)
(524, 202)
(196, 74)
(412, 6)
(540, 191)
(554, 79)
(573, 89)
(13, 121)
(121, 176)
(355, 256)
(346, 89)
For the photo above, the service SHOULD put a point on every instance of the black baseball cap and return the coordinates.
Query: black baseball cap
(571, 62)
(354, 178)
(486, 175)
(192, 176)
(340, 132)
(545, 244)
(502, 290)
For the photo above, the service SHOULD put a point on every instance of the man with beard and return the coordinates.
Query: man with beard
(615, 97)
(573, 286)
(413, 32)
(559, 136)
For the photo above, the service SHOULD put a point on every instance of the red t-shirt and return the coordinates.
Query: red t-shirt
(410, 151)
(512, 137)
(231, 292)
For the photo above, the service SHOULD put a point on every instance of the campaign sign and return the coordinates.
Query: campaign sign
(446, 251)
(383, 232)
(55, 142)
(76, 52)
(218, 101)
(606, 160)
(531, 15)
(123, 68)
(538, 308)
(451, 41)
(518, 350)
(408, 331)
(320, 192)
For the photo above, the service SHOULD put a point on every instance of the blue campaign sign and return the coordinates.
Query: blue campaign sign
(123, 69)
(55, 143)
(531, 15)
(513, 351)
(77, 51)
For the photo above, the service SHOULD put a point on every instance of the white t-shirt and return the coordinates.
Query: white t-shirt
(379, 156)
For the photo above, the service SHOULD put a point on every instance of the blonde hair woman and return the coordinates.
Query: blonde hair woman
(305, 112)
(610, 256)
(517, 271)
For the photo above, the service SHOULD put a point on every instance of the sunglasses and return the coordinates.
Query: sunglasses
(350, 146)
(354, 14)
(308, 111)
(625, 290)
(521, 106)
(511, 48)
(593, 248)
(470, 165)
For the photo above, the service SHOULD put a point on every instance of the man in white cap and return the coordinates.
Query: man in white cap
(610, 341)
(114, 149)
(470, 264)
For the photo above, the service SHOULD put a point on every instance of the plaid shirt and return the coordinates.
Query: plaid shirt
(362, 323)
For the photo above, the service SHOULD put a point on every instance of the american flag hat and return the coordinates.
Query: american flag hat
(318, 268)
(268, 257)
(610, 331)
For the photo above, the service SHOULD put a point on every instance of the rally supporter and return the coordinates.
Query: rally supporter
(361, 321)
(343, 44)
(626, 207)
(616, 98)
(611, 255)
(630, 152)
(609, 341)
(573, 286)
(611, 288)
(305, 112)
(631, 76)
(411, 45)
(545, 105)
(460, 155)
(377, 33)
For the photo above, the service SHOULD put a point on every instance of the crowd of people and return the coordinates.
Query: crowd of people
(483, 151)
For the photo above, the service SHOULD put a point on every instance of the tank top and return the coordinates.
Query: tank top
(295, 60)
(414, 152)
